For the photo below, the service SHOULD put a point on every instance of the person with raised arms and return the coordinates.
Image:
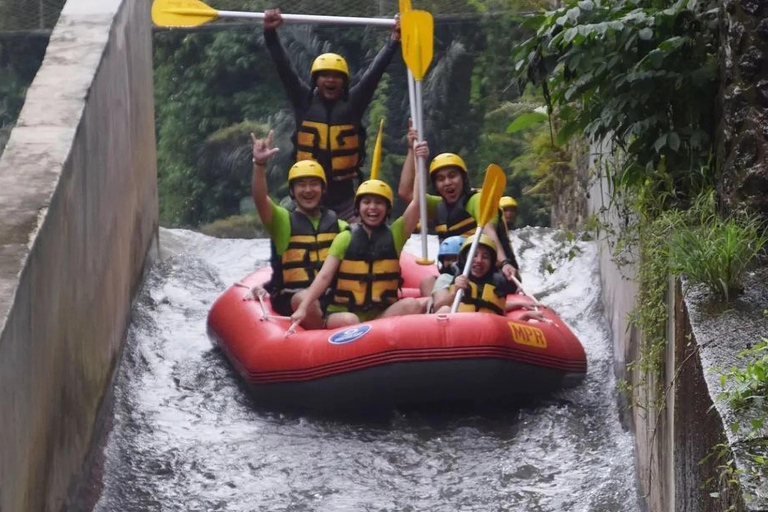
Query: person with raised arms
(300, 238)
(328, 112)
(364, 263)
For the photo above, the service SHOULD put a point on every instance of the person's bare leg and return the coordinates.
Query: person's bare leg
(443, 310)
(314, 318)
(407, 306)
(336, 320)
(425, 286)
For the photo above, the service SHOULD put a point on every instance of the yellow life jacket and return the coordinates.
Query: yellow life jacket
(369, 274)
(481, 296)
(307, 249)
(329, 135)
(455, 220)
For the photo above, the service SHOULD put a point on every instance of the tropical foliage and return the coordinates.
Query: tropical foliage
(642, 75)
(20, 58)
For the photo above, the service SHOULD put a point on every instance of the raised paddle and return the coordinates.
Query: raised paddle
(493, 187)
(376, 163)
(405, 6)
(192, 13)
(417, 36)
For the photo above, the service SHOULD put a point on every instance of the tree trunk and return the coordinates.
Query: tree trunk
(742, 148)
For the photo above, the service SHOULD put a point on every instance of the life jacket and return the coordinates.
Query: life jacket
(369, 274)
(456, 220)
(481, 296)
(307, 249)
(329, 134)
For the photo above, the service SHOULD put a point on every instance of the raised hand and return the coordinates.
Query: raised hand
(262, 148)
(396, 28)
(273, 18)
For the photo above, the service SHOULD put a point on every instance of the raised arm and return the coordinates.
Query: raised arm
(408, 172)
(411, 214)
(262, 151)
(296, 89)
(360, 95)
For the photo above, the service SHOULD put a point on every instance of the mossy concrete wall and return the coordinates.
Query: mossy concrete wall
(78, 216)
(618, 273)
(672, 408)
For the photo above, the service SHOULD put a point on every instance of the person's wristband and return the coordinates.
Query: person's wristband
(260, 164)
(507, 262)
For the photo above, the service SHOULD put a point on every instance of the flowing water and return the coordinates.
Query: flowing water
(185, 435)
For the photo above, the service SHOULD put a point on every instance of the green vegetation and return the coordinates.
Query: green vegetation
(635, 74)
(632, 76)
(748, 385)
(746, 393)
(717, 252)
(20, 58)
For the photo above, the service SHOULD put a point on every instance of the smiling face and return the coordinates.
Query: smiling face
(373, 210)
(449, 182)
(308, 192)
(330, 84)
(481, 262)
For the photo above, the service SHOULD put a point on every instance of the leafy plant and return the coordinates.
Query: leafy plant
(749, 384)
(635, 73)
(717, 252)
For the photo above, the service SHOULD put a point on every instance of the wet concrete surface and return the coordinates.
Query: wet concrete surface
(721, 330)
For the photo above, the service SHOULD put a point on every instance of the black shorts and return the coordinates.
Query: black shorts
(281, 303)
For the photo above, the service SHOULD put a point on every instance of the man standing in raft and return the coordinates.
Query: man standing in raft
(300, 238)
(365, 262)
(329, 113)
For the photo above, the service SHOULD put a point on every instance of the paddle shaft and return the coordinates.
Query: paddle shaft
(422, 170)
(467, 267)
(311, 18)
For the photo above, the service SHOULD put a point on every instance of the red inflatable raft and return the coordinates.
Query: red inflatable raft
(398, 360)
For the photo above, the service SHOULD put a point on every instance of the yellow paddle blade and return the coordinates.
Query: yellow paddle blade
(405, 6)
(182, 13)
(417, 38)
(376, 162)
(493, 188)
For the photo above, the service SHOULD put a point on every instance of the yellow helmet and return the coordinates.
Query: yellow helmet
(376, 188)
(306, 169)
(445, 160)
(507, 202)
(484, 240)
(330, 62)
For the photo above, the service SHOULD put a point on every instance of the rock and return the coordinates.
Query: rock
(762, 92)
(751, 62)
(752, 6)
(762, 29)
(746, 150)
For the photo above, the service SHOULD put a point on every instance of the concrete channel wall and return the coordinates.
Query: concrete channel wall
(78, 217)
(670, 411)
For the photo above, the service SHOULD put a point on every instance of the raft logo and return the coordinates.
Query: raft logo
(349, 335)
(526, 335)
